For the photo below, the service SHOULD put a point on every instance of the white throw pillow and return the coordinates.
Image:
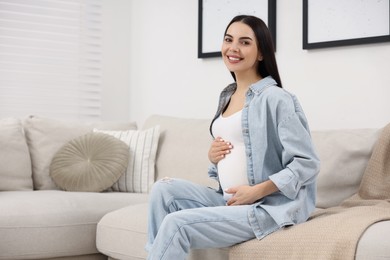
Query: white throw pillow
(15, 162)
(139, 176)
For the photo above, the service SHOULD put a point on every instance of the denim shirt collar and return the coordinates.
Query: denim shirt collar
(256, 87)
(262, 84)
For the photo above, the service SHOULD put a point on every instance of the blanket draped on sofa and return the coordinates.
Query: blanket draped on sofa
(333, 233)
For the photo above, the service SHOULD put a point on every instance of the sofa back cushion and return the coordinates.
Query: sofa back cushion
(183, 148)
(46, 136)
(344, 155)
(15, 163)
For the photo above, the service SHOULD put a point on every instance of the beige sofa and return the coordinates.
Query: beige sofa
(37, 219)
(40, 221)
(182, 153)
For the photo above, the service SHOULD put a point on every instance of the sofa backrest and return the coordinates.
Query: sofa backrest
(183, 147)
(344, 155)
(184, 144)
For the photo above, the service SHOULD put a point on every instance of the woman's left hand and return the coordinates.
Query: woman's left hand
(246, 195)
(242, 195)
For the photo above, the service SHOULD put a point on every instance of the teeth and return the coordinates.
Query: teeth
(234, 59)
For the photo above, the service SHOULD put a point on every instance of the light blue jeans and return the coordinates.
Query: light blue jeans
(184, 215)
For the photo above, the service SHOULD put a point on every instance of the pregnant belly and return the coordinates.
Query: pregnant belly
(232, 170)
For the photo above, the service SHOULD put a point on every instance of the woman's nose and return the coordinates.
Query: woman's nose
(234, 47)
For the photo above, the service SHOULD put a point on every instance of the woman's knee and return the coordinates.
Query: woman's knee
(164, 187)
(175, 220)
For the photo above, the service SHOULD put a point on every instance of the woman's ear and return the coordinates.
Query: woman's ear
(260, 57)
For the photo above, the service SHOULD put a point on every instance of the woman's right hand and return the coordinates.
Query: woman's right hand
(219, 148)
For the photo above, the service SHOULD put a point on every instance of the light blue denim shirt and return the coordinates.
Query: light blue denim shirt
(278, 147)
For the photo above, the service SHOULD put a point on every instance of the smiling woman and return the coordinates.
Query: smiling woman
(262, 155)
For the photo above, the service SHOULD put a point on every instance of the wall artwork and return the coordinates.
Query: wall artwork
(214, 15)
(330, 23)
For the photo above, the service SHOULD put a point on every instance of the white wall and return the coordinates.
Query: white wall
(343, 87)
(116, 59)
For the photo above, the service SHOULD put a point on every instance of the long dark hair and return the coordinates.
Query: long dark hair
(265, 45)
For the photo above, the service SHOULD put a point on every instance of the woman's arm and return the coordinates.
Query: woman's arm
(245, 195)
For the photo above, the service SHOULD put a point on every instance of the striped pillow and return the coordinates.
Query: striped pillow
(139, 176)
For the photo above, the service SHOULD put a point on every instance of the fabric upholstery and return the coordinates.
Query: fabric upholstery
(46, 136)
(142, 146)
(81, 257)
(44, 224)
(344, 155)
(121, 234)
(373, 244)
(91, 162)
(15, 162)
(183, 148)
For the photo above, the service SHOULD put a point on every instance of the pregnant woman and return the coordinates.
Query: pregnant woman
(262, 155)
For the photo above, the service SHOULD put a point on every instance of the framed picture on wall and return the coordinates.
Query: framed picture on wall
(330, 23)
(214, 15)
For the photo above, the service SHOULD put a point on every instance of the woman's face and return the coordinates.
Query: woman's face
(239, 49)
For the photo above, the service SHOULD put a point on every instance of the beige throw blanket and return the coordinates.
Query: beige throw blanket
(332, 233)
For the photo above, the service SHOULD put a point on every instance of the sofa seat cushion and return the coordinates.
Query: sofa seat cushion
(42, 224)
(122, 234)
(374, 243)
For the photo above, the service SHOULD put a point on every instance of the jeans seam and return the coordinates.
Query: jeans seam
(172, 199)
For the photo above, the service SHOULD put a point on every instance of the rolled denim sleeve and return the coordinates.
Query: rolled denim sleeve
(301, 164)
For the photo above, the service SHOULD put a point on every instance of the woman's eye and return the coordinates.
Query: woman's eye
(228, 40)
(245, 43)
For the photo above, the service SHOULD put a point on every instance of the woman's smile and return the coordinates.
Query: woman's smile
(234, 58)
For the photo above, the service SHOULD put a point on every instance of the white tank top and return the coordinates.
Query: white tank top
(231, 169)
